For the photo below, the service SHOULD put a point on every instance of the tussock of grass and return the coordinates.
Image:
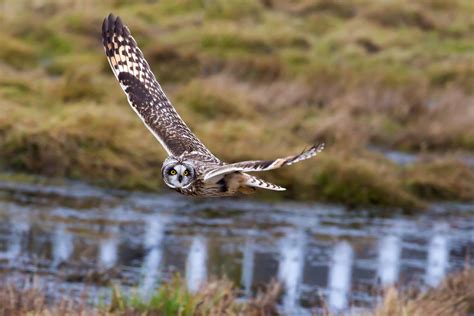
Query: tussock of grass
(360, 182)
(394, 15)
(73, 64)
(222, 9)
(17, 53)
(336, 8)
(441, 179)
(69, 90)
(253, 80)
(455, 296)
(171, 64)
(210, 103)
(58, 146)
(446, 124)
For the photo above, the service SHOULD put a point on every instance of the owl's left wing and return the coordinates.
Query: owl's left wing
(263, 165)
(144, 93)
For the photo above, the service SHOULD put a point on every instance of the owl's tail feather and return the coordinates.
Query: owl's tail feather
(255, 182)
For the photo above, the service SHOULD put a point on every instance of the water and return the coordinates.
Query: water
(407, 159)
(78, 236)
(401, 158)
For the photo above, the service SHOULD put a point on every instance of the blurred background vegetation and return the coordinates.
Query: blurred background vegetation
(253, 79)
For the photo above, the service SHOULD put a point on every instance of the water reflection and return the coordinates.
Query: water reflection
(389, 259)
(62, 245)
(108, 249)
(340, 274)
(401, 158)
(438, 257)
(154, 234)
(290, 269)
(196, 269)
(19, 229)
(305, 237)
(398, 157)
(247, 265)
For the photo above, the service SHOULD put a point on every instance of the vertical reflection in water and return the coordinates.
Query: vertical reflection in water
(20, 227)
(290, 269)
(196, 271)
(340, 275)
(247, 266)
(438, 257)
(154, 233)
(108, 249)
(389, 259)
(62, 245)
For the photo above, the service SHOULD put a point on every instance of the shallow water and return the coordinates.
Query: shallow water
(402, 158)
(78, 235)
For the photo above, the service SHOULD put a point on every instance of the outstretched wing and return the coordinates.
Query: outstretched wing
(262, 184)
(263, 165)
(144, 93)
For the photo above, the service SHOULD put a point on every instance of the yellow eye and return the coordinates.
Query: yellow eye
(173, 172)
(186, 173)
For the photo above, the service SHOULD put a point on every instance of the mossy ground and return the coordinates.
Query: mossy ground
(253, 79)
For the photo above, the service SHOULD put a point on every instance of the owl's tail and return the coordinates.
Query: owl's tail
(254, 182)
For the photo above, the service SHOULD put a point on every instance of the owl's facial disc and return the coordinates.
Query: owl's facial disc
(178, 175)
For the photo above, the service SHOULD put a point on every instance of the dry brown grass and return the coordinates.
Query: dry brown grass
(453, 297)
(444, 178)
(30, 299)
(215, 298)
(446, 124)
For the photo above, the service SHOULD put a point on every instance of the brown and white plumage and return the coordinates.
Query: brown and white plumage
(143, 91)
(191, 168)
(263, 165)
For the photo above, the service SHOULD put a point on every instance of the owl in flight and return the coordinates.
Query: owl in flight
(191, 168)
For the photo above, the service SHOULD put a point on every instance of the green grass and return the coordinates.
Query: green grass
(170, 299)
(253, 80)
(217, 297)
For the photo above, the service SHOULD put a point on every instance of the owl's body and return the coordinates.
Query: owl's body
(221, 185)
(191, 168)
(199, 187)
(228, 185)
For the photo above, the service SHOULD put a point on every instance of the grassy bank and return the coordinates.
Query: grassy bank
(454, 296)
(254, 79)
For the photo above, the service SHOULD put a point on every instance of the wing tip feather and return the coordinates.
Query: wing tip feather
(113, 25)
(306, 154)
(118, 25)
(319, 147)
(262, 184)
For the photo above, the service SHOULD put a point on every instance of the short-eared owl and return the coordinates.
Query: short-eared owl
(191, 168)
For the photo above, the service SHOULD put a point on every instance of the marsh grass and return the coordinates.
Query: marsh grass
(253, 80)
(218, 297)
(454, 296)
(446, 178)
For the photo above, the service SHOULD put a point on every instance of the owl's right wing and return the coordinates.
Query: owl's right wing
(263, 165)
(144, 93)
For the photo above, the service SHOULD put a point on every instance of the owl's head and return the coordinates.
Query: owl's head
(177, 174)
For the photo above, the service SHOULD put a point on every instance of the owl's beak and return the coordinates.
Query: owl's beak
(180, 178)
